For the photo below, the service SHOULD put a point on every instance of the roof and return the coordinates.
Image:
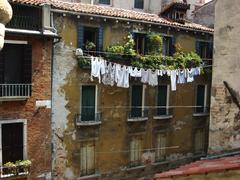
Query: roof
(203, 167)
(89, 9)
(180, 5)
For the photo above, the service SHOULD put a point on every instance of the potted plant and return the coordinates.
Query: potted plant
(23, 166)
(9, 168)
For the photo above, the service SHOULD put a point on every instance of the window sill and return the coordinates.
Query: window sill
(13, 176)
(14, 98)
(140, 119)
(135, 168)
(200, 114)
(89, 176)
(157, 163)
(88, 123)
(163, 117)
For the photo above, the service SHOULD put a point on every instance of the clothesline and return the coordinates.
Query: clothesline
(150, 107)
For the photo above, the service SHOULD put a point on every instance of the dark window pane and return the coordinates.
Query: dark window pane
(136, 110)
(167, 46)
(140, 42)
(88, 103)
(104, 1)
(12, 142)
(138, 4)
(200, 98)
(162, 100)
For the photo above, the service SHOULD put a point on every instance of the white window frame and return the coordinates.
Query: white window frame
(158, 134)
(8, 41)
(134, 138)
(24, 121)
(168, 97)
(205, 96)
(96, 96)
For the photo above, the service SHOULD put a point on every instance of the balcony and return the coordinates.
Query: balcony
(16, 172)
(88, 120)
(201, 111)
(137, 114)
(24, 17)
(17, 92)
(162, 113)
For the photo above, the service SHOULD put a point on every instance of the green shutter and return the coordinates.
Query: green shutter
(136, 110)
(162, 100)
(80, 34)
(100, 39)
(88, 103)
(200, 98)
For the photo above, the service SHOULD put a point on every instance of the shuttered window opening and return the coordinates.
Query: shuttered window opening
(88, 103)
(201, 99)
(199, 140)
(161, 147)
(162, 100)
(104, 2)
(204, 49)
(140, 43)
(87, 158)
(138, 4)
(136, 101)
(135, 151)
(168, 46)
(12, 143)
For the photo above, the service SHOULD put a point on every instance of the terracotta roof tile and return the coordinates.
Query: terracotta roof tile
(203, 167)
(113, 12)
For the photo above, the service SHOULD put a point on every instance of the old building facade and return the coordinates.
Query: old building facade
(114, 145)
(25, 94)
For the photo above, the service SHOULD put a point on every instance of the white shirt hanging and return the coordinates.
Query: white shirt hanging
(173, 77)
(145, 76)
(181, 76)
(95, 68)
(153, 78)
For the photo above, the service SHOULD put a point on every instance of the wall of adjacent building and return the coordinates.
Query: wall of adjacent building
(224, 123)
(114, 134)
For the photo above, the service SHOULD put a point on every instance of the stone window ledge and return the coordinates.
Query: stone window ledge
(89, 176)
(157, 163)
(135, 168)
(200, 114)
(163, 117)
(89, 123)
(137, 119)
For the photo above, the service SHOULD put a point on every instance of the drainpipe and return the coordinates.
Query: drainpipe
(5, 17)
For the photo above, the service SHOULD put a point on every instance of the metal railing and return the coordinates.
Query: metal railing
(137, 113)
(163, 111)
(88, 118)
(7, 172)
(15, 90)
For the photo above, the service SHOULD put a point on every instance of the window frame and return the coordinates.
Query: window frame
(138, 163)
(96, 98)
(106, 4)
(205, 99)
(199, 50)
(24, 121)
(137, 3)
(157, 159)
(136, 41)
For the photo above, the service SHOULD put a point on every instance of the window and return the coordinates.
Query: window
(135, 151)
(199, 140)
(88, 103)
(90, 34)
(12, 143)
(168, 46)
(162, 100)
(104, 2)
(137, 101)
(201, 99)
(204, 49)
(15, 70)
(138, 4)
(87, 158)
(160, 147)
(140, 43)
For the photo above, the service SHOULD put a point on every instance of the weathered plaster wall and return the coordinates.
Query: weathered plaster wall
(224, 124)
(113, 135)
(38, 118)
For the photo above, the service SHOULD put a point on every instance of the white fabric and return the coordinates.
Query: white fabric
(153, 78)
(197, 71)
(173, 76)
(145, 76)
(95, 68)
(190, 75)
(134, 72)
(126, 77)
(108, 77)
(182, 76)
(103, 66)
(122, 76)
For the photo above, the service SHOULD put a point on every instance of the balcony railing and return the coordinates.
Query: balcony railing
(138, 114)
(163, 113)
(7, 172)
(88, 119)
(201, 111)
(15, 90)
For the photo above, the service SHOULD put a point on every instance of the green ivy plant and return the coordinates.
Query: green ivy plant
(154, 43)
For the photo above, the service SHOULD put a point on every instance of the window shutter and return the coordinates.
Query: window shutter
(136, 101)
(210, 50)
(200, 98)
(198, 47)
(27, 64)
(100, 39)
(162, 100)
(172, 46)
(88, 103)
(2, 66)
(80, 34)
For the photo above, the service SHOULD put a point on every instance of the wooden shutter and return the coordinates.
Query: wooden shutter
(100, 39)
(88, 103)
(83, 160)
(27, 64)
(199, 140)
(87, 161)
(162, 99)
(136, 101)
(200, 98)
(161, 144)
(2, 66)
(80, 36)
